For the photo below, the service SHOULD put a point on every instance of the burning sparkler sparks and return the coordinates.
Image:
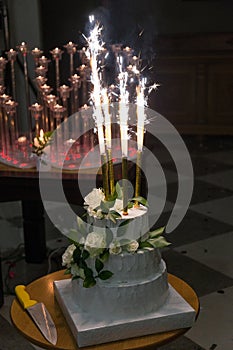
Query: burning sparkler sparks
(131, 87)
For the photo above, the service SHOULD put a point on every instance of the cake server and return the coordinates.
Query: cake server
(38, 313)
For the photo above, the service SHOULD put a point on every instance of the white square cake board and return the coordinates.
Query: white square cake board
(174, 314)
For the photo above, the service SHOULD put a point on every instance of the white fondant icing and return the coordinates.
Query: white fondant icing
(131, 268)
(109, 300)
(137, 224)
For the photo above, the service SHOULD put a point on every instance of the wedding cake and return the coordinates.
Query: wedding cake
(118, 274)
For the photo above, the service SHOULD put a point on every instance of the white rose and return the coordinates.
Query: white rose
(95, 243)
(115, 248)
(118, 205)
(67, 257)
(132, 246)
(94, 198)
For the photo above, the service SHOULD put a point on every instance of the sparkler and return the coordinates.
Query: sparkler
(140, 134)
(123, 114)
(95, 46)
(108, 138)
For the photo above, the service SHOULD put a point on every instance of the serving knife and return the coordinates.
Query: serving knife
(38, 313)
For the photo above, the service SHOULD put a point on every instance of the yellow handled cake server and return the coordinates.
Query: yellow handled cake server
(38, 313)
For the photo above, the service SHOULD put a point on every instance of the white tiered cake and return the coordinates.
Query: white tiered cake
(137, 299)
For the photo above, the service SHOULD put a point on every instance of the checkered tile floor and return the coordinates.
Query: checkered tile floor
(201, 252)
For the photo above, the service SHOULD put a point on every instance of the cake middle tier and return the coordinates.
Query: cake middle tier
(108, 301)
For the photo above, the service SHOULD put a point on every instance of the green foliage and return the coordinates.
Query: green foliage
(105, 275)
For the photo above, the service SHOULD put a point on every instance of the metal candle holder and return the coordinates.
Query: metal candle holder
(76, 84)
(11, 55)
(24, 50)
(45, 90)
(64, 92)
(4, 127)
(57, 55)
(50, 101)
(36, 53)
(84, 72)
(71, 50)
(10, 108)
(58, 112)
(36, 111)
(41, 71)
(3, 63)
(44, 61)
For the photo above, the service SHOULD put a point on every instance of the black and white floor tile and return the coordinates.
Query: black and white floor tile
(201, 252)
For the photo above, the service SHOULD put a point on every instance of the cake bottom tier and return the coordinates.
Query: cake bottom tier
(109, 302)
(175, 313)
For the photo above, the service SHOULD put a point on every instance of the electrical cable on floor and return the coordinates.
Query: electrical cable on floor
(50, 257)
(11, 258)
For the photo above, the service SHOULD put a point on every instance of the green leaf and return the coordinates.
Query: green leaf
(125, 222)
(157, 232)
(140, 200)
(89, 282)
(104, 255)
(124, 242)
(123, 227)
(88, 272)
(113, 215)
(85, 254)
(105, 275)
(119, 191)
(112, 218)
(82, 264)
(130, 205)
(112, 197)
(67, 271)
(98, 265)
(159, 242)
(77, 255)
(109, 236)
(82, 227)
(104, 207)
(143, 245)
(74, 236)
